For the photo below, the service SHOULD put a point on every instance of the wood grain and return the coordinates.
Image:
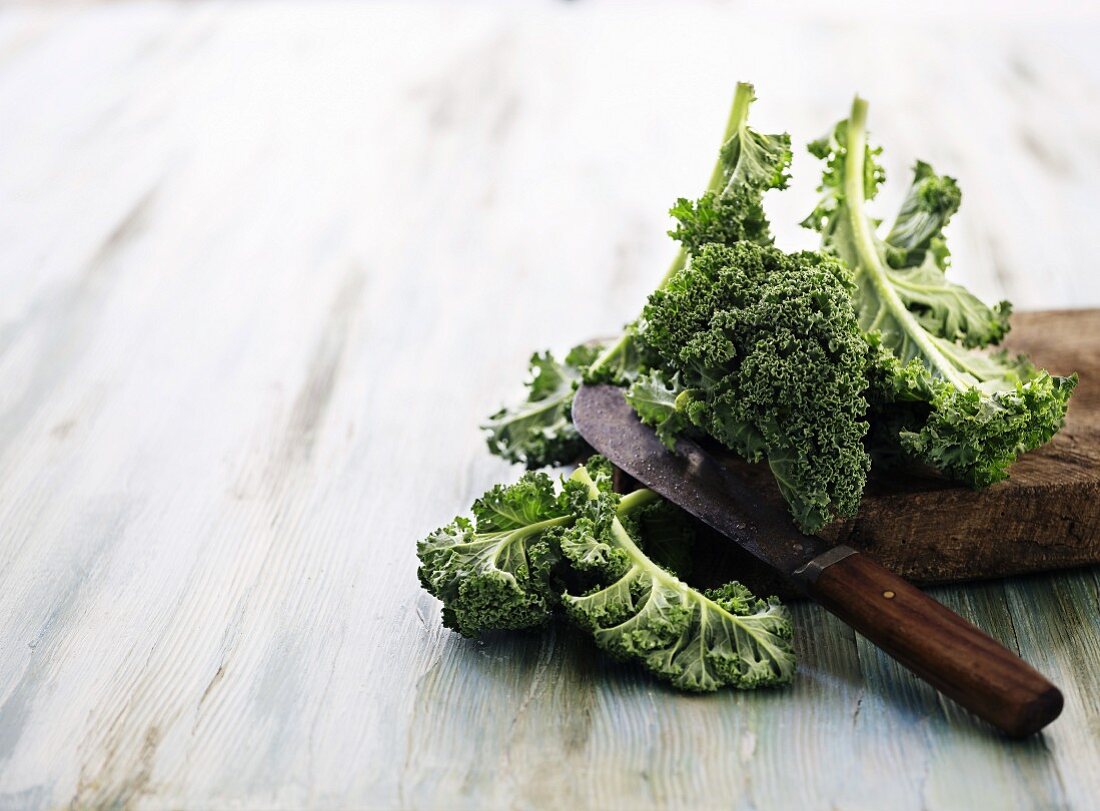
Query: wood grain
(945, 650)
(264, 267)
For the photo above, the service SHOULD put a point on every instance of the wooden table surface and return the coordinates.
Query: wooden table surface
(263, 269)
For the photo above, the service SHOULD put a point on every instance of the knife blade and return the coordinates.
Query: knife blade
(692, 479)
(938, 645)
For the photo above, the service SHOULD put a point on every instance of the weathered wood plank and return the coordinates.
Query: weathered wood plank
(263, 268)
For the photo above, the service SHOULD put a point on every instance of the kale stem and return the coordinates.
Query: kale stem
(609, 354)
(739, 111)
(870, 262)
(636, 500)
(676, 266)
(642, 561)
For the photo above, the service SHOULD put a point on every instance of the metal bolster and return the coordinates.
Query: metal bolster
(809, 572)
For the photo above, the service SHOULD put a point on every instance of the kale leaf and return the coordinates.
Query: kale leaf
(639, 611)
(984, 408)
(539, 431)
(773, 365)
(511, 565)
(494, 572)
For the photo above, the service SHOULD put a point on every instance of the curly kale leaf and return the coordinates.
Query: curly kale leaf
(974, 435)
(661, 404)
(832, 148)
(984, 409)
(914, 255)
(775, 362)
(494, 572)
(640, 611)
(539, 431)
(620, 362)
(722, 218)
(916, 246)
(508, 566)
(917, 233)
(732, 208)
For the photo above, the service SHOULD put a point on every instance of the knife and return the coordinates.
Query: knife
(938, 645)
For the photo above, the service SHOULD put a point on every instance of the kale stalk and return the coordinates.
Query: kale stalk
(531, 551)
(539, 430)
(966, 412)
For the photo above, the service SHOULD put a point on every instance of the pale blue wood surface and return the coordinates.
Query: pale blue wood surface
(263, 269)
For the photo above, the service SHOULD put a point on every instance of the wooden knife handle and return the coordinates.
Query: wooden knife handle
(934, 642)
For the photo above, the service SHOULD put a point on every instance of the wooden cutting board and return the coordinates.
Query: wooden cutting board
(1045, 516)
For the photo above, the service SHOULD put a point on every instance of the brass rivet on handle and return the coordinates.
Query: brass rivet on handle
(889, 595)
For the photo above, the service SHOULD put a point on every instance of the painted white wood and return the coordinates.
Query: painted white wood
(263, 269)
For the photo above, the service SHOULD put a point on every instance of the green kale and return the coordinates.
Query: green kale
(770, 361)
(984, 409)
(639, 611)
(662, 403)
(732, 208)
(539, 431)
(917, 232)
(494, 572)
(509, 567)
(816, 363)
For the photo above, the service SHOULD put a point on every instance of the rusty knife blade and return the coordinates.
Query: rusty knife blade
(690, 478)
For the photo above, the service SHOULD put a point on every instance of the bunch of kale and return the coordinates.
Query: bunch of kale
(813, 362)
